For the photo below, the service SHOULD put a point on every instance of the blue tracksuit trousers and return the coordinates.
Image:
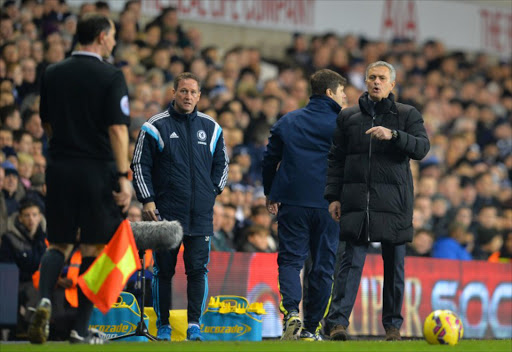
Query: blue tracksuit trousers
(301, 231)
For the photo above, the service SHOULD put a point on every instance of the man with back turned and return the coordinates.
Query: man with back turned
(85, 109)
(294, 173)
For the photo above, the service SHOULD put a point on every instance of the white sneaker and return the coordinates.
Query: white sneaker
(94, 337)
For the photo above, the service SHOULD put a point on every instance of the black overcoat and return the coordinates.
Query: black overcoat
(372, 178)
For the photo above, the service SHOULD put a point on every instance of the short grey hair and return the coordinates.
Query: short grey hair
(392, 71)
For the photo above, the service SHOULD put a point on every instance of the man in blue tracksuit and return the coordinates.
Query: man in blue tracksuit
(294, 176)
(180, 165)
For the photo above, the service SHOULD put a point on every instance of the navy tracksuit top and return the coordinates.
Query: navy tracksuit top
(300, 141)
(180, 163)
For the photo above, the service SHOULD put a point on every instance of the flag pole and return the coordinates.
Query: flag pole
(141, 329)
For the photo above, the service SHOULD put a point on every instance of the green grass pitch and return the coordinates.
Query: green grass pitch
(269, 346)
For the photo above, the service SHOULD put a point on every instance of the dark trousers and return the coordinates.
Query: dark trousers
(328, 324)
(196, 256)
(349, 277)
(302, 231)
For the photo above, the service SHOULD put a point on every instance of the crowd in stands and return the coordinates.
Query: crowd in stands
(463, 190)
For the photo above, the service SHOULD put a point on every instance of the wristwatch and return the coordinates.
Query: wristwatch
(394, 135)
(122, 174)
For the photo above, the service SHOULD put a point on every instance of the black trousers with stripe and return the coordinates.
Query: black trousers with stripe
(196, 256)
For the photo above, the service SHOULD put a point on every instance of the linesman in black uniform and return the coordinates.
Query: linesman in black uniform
(85, 109)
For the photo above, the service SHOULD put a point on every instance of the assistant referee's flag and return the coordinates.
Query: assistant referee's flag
(106, 277)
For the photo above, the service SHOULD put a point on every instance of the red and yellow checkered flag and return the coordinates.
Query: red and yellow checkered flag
(106, 277)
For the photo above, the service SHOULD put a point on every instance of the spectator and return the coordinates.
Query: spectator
(39, 161)
(33, 125)
(260, 217)
(3, 73)
(268, 116)
(8, 91)
(263, 70)
(424, 205)
(464, 215)
(25, 169)
(37, 191)
(226, 235)
(23, 44)
(440, 220)
(468, 190)
(220, 242)
(238, 200)
(235, 175)
(86, 8)
(6, 138)
(102, 7)
(486, 189)
(431, 168)
(170, 28)
(298, 52)
(242, 158)
(13, 191)
(6, 28)
(489, 241)
(24, 245)
(29, 84)
(162, 61)
(134, 6)
(22, 141)
(449, 189)
(453, 245)
(421, 245)
(257, 239)
(10, 53)
(418, 218)
(11, 156)
(504, 255)
(10, 117)
(427, 186)
(487, 219)
(30, 30)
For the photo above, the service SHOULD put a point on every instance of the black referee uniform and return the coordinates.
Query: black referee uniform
(80, 98)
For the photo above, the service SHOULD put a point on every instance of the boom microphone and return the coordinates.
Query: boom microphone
(157, 235)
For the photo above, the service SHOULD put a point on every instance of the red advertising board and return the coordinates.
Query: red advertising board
(479, 292)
